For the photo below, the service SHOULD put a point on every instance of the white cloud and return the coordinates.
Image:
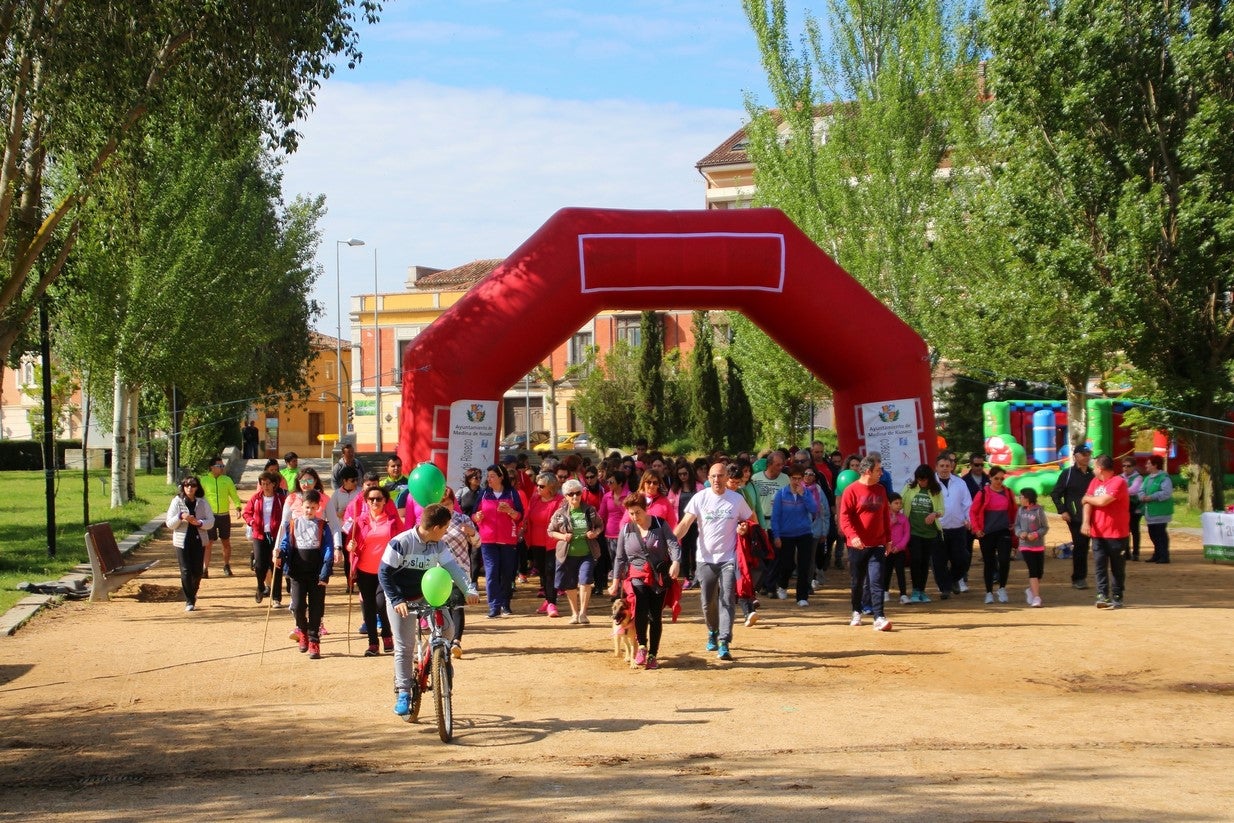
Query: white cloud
(438, 176)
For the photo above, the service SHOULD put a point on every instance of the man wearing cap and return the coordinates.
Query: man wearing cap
(1068, 497)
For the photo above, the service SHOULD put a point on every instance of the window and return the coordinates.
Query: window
(394, 371)
(580, 344)
(27, 371)
(628, 330)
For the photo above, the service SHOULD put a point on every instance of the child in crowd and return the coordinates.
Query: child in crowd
(406, 559)
(897, 547)
(1030, 527)
(306, 554)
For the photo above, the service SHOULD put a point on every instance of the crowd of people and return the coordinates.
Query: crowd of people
(645, 527)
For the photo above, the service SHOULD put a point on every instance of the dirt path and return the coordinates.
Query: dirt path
(135, 710)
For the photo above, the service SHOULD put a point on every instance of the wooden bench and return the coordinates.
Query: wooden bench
(107, 563)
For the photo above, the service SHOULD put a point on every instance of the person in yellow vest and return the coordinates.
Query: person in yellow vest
(219, 490)
(1156, 493)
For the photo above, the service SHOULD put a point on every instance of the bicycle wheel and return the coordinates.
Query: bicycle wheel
(441, 694)
(417, 689)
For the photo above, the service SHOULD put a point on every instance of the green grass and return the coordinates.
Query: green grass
(23, 524)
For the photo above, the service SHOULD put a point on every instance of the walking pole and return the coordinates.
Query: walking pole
(266, 632)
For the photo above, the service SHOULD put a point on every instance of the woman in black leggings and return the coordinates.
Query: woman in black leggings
(648, 559)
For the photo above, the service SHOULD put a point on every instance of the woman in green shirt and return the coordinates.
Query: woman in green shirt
(923, 503)
(577, 528)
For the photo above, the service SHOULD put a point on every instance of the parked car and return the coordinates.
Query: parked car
(574, 441)
(516, 442)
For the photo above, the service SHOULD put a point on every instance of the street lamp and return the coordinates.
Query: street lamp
(377, 351)
(338, 340)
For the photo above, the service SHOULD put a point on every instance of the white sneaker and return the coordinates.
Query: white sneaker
(904, 601)
(882, 624)
(781, 594)
(963, 587)
(751, 619)
(989, 597)
(1028, 596)
(886, 596)
(1036, 604)
(803, 603)
(1002, 595)
(856, 621)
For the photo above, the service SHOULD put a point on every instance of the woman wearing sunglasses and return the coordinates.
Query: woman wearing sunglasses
(189, 517)
(370, 534)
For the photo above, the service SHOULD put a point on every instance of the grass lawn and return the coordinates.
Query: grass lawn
(23, 524)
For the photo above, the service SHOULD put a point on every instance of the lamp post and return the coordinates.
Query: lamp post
(338, 340)
(377, 352)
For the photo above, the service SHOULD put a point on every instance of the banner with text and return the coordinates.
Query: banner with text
(473, 437)
(893, 429)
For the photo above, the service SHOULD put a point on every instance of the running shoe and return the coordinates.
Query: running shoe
(751, 619)
(989, 598)
(882, 624)
(723, 653)
(904, 600)
(856, 621)
(712, 645)
(640, 656)
(962, 586)
(1002, 595)
(652, 663)
(402, 704)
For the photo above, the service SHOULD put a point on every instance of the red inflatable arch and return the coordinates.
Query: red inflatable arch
(583, 261)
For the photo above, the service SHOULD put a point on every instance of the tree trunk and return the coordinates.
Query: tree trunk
(1206, 471)
(1077, 411)
(132, 461)
(119, 442)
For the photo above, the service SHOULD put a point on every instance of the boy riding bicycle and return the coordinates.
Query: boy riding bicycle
(406, 559)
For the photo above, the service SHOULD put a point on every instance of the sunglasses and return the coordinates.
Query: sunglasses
(308, 481)
(376, 499)
(574, 494)
(591, 477)
(190, 485)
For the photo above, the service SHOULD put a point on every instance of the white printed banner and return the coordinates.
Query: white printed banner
(893, 429)
(473, 437)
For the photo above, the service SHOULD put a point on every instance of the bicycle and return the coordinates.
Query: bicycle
(434, 670)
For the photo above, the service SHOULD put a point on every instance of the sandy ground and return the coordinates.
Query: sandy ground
(133, 710)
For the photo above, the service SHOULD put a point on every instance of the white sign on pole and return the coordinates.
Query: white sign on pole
(473, 437)
(893, 429)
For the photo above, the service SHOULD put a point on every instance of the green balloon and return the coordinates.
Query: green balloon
(844, 479)
(426, 484)
(436, 585)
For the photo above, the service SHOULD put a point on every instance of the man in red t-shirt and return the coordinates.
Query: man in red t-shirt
(865, 521)
(1107, 519)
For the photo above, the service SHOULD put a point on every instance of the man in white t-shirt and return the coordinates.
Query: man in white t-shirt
(721, 516)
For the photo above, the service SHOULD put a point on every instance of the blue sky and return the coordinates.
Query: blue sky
(470, 122)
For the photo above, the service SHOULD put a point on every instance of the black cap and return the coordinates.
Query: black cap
(1083, 450)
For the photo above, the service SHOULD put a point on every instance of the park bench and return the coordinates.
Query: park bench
(107, 563)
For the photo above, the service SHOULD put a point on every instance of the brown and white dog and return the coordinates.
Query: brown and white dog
(623, 631)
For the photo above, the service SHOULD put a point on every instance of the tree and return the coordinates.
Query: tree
(648, 414)
(780, 390)
(959, 414)
(862, 124)
(1116, 119)
(706, 407)
(738, 416)
(80, 77)
(191, 275)
(606, 394)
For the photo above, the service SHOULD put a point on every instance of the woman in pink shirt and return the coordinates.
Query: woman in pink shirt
(991, 519)
(535, 532)
(612, 511)
(498, 513)
(370, 535)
